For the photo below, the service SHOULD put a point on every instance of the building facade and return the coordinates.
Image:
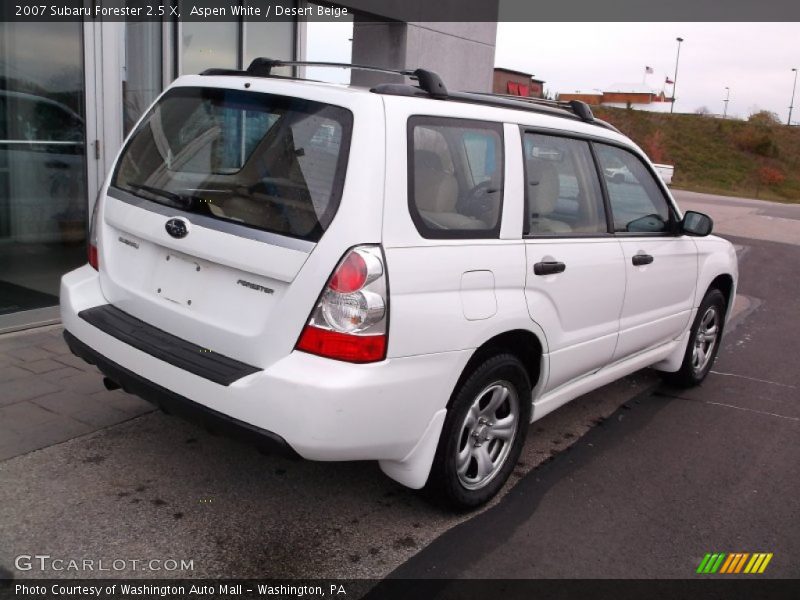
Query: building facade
(71, 91)
(516, 83)
(634, 96)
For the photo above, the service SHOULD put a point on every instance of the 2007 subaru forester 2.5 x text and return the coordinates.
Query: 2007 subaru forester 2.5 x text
(401, 274)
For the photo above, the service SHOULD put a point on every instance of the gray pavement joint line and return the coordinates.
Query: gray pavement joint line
(786, 385)
(75, 437)
(752, 410)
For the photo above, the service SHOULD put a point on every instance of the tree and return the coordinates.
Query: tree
(702, 111)
(655, 146)
(765, 118)
(768, 177)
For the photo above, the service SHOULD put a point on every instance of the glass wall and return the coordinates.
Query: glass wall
(206, 45)
(233, 45)
(43, 148)
(272, 39)
(43, 201)
(143, 69)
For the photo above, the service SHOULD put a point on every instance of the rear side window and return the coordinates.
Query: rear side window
(455, 177)
(270, 162)
(637, 203)
(563, 194)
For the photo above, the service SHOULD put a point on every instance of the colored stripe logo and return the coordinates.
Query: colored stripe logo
(734, 562)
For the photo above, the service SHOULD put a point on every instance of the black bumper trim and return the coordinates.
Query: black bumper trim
(164, 346)
(181, 406)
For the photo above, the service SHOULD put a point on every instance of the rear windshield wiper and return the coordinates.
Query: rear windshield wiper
(189, 202)
(158, 192)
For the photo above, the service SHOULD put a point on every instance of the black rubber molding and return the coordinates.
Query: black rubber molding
(178, 405)
(178, 352)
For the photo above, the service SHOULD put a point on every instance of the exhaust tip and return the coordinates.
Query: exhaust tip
(110, 384)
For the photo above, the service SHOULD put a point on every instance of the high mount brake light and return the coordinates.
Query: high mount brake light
(349, 321)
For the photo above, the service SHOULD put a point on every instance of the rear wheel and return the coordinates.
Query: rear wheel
(704, 342)
(483, 434)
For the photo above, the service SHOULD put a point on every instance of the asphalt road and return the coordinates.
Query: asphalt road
(631, 480)
(672, 474)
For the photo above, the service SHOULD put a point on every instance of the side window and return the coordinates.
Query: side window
(455, 177)
(562, 191)
(637, 203)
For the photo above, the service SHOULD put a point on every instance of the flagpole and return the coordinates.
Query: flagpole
(675, 79)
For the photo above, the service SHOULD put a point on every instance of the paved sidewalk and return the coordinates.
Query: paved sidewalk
(48, 396)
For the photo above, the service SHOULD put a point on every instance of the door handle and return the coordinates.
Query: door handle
(549, 268)
(641, 259)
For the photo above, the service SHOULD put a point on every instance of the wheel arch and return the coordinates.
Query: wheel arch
(522, 343)
(723, 283)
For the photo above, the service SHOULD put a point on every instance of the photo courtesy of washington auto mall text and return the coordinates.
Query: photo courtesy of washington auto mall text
(106, 589)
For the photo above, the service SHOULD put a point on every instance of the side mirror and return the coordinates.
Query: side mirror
(696, 223)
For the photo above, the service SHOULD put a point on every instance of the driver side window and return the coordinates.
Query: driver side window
(637, 203)
(455, 177)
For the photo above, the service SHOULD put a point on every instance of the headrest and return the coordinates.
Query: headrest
(543, 187)
(428, 159)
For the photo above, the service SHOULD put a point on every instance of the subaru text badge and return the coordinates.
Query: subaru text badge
(177, 228)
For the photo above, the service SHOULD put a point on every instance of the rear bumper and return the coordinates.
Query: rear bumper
(322, 409)
(178, 405)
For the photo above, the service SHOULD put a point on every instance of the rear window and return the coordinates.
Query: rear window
(271, 162)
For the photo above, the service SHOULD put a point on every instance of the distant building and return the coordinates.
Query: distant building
(517, 83)
(638, 96)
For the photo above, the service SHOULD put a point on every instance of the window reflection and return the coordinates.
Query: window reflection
(207, 45)
(43, 199)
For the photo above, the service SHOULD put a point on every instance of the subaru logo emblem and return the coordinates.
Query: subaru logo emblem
(177, 228)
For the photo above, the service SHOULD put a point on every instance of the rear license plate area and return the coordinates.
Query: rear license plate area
(177, 279)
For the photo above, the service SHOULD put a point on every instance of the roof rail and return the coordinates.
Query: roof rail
(577, 107)
(428, 81)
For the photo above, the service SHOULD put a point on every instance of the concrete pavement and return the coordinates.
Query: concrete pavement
(746, 218)
(48, 396)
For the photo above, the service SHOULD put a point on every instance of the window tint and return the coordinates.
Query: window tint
(636, 200)
(563, 194)
(455, 177)
(265, 161)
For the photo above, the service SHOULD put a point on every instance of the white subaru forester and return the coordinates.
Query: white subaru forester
(400, 274)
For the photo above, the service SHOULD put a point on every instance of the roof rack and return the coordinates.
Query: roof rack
(578, 107)
(428, 81)
(430, 85)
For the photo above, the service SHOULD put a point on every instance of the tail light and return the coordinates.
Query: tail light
(349, 321)
(92, 245)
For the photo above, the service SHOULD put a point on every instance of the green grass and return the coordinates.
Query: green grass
(711, 155)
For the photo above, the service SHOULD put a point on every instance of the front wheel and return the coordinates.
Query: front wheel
(704, 341)
(483, 434)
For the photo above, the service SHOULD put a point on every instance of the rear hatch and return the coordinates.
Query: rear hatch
(215, 205)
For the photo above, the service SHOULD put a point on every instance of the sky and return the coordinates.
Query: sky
(754, 59)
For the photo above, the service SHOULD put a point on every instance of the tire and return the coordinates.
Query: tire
(483, 434)
(701, 351)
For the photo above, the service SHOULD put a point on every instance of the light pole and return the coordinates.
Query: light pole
(791, 104)
(675, 79)
(727, 97)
